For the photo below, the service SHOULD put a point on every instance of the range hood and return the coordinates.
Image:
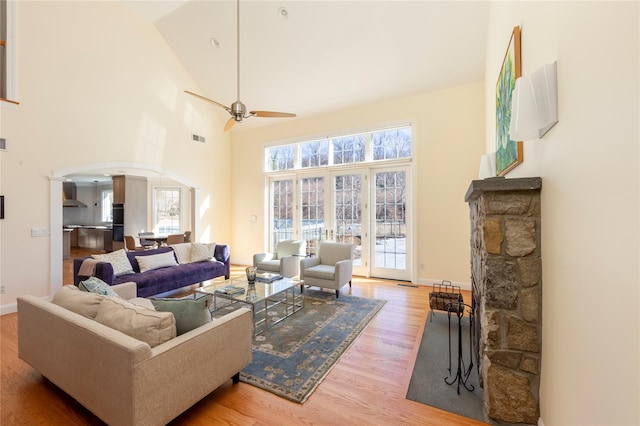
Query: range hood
(69, 192)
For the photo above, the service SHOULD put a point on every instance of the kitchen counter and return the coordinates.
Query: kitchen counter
(96, 237)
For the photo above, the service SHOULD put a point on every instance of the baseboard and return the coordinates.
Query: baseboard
(9, 308)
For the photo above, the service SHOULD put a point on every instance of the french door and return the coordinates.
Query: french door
(335, 206)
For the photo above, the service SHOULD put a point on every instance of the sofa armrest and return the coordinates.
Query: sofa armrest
(222, 253)
(127, 290)
(289, 266)
(344, 271)
(104, 271)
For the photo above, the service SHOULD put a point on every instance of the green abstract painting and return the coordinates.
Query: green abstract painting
(508, 152)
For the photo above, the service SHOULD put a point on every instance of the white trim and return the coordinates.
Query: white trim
(55, 211)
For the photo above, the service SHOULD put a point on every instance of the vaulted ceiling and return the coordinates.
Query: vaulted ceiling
(310, 57)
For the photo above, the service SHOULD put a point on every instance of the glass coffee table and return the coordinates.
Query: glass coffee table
(270, 302)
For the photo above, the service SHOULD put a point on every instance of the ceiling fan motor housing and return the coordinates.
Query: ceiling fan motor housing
(238, 110)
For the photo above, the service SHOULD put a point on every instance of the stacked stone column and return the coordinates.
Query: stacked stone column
(506, 271)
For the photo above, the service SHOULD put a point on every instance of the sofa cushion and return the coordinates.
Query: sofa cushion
(183, 252)
(81, 302)
(189, 313)
(140, 323)
(118, 259)
(156, 261)
(96, 285)
(201, 252)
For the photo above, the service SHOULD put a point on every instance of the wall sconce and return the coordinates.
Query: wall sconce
(534, 106)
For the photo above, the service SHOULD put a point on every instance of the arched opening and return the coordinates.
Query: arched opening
(58, 177)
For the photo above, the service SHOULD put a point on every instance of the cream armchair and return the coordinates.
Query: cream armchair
(332, 268)
(285, 261)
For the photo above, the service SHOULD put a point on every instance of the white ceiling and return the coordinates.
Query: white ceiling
(324, 55)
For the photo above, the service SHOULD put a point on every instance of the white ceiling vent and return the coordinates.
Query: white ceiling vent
(3, 144)
(197, 138)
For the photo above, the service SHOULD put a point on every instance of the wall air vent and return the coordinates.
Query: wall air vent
(197, 138)
(3, 144)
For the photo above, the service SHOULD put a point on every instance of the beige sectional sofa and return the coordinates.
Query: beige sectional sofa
(123, 380)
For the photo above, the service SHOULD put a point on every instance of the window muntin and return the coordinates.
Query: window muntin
(377, 145)
(349, 149)
(280, 158)
(314, 154)
(282, 210)
(391, 144)
(167, 210)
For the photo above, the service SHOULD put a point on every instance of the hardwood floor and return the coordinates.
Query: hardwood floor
(366, 386)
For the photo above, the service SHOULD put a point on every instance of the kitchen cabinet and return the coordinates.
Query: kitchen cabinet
(96, 239)
(118, 189)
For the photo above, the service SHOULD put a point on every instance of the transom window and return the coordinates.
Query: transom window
(379, 145)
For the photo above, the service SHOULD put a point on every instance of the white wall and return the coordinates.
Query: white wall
(96, 84)
(448, 141)
(590, 209)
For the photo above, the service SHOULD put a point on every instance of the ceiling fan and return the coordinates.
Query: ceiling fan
(238, 110)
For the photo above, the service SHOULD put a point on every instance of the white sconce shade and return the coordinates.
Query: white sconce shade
(487, 166)
(534, 107)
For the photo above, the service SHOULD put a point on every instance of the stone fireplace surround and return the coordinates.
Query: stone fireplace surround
(506, 275)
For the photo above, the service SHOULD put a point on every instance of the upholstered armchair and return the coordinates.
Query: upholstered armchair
(331, 268)
(284, 261)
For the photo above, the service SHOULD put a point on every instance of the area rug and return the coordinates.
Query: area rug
(428, 385)
(291, 358)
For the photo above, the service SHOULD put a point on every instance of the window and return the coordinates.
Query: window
(348, 149)
(314, 154)
(280, 158)
(392, 144)
(166, 210)
(367, 147)
(107, 205)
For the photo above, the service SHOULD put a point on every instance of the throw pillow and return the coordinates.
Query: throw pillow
(96, 285)
(189, 313)
(118, 259)
(156, 261)
(201, 252)
(151, 327)
(183, 252)
(82, 303)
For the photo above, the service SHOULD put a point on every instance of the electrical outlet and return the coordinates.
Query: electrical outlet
(3, 289)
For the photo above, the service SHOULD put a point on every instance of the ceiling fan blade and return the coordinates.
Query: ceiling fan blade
(207, 99)
(271, 114)
(229, 124)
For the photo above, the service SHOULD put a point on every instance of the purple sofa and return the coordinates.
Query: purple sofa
(158, 281)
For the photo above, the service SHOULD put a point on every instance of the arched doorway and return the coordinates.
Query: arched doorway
(58, 177)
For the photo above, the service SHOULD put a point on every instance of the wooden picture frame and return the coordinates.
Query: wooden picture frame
(1, 206)
(508, 153)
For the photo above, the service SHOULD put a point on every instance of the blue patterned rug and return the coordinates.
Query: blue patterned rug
(291, 358)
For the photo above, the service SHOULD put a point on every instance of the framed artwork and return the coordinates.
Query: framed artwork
(1, 206)
(508, 152)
